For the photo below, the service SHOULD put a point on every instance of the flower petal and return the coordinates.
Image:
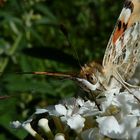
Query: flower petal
(61, 109)
(76, 122)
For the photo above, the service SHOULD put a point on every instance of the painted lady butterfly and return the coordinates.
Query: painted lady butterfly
(122, 53)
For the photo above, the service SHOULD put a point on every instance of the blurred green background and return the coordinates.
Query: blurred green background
(35, 36)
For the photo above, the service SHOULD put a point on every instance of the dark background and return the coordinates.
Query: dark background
(35, 36)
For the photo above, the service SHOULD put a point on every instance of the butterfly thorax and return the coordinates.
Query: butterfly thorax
(111, 80)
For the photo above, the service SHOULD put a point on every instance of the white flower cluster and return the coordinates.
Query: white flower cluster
(119, 118)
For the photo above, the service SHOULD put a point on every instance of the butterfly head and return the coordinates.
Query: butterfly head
(91, 77)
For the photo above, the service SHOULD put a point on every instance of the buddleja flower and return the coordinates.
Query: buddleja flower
(118, 118)
(73, 111)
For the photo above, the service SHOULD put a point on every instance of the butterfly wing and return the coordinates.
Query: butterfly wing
(123, 49)
(127, 52)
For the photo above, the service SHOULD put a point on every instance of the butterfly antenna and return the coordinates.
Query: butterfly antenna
(94, 99)
(65, 33)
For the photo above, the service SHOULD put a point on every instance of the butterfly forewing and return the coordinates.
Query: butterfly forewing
(122, 53)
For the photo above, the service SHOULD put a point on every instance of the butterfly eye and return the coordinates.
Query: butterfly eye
(94, 79)
(91, 78)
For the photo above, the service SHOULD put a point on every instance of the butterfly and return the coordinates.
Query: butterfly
(121, 56)
(122, 53)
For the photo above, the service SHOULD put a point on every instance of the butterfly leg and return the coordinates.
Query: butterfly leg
(129, 85)
(123, 83)
(132, 86)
